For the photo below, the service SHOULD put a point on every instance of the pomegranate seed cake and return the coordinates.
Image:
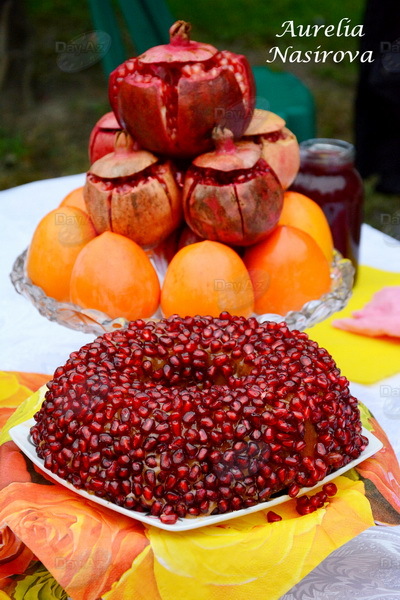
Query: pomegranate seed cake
(186, 417)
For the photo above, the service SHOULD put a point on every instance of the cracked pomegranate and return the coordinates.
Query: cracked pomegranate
(133, 193)
(197, 416)
(102, 137)
(231, 195)
(171, 97)
(279, 146)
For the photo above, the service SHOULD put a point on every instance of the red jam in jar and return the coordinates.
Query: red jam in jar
(327, 175)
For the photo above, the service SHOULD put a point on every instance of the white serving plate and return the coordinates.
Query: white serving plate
(20, 434)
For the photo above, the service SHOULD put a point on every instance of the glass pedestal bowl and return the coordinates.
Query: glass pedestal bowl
(96, 322)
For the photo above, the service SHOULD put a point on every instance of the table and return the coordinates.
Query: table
(29, 342)
(32, 343)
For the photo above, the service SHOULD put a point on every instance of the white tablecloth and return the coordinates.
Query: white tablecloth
(29, 342)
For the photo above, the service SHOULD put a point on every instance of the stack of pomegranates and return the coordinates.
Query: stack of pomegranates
(190, 147)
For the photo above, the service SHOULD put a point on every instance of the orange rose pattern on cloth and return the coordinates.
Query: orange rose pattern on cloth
(13, 465)
(382, 469)
(85, 547)
(92, 551)
(14, 555)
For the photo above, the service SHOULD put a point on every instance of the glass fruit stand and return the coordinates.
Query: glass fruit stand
(93, 321)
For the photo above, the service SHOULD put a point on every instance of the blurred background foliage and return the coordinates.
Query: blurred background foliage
(47, 114)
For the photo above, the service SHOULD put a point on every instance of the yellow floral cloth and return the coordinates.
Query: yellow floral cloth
(377, 358)
(54, 543)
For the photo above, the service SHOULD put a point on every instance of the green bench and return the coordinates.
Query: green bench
(285, 94)
(148, 23)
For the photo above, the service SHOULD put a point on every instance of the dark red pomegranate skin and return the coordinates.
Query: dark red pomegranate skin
(196, 416)
(238, 208)
(102, 137)
(171, 97)
(132, 192)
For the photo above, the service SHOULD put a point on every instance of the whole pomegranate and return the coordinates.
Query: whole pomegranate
(280, 148)
(102, 136)
(232, 195)
(133, 193)
(172, 96)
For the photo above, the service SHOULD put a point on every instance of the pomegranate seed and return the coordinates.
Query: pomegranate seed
(203, 436)
(148, 425)
(130, 503)
(147, 493)
(318, 499)
(189, 417)
(236, 503)
(156, 508)
(330, 489)
(96, 484)
(273, 517)
(194, 473)
(165, 461)
(170, 482)
(264, 494)
(168, 519)
(194, 511)
(178, 457)
(202, 453)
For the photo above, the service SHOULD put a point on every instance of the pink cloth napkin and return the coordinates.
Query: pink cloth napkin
(381, 316)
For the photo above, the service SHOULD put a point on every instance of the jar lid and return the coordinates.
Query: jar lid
(327, 150)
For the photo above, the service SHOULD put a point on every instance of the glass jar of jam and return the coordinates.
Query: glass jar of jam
(327, 175)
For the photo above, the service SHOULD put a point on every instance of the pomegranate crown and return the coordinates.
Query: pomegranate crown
(181, 49)
(124, 143)
(224, 140)
(228, 154)
(179, 33)
(127, 159)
